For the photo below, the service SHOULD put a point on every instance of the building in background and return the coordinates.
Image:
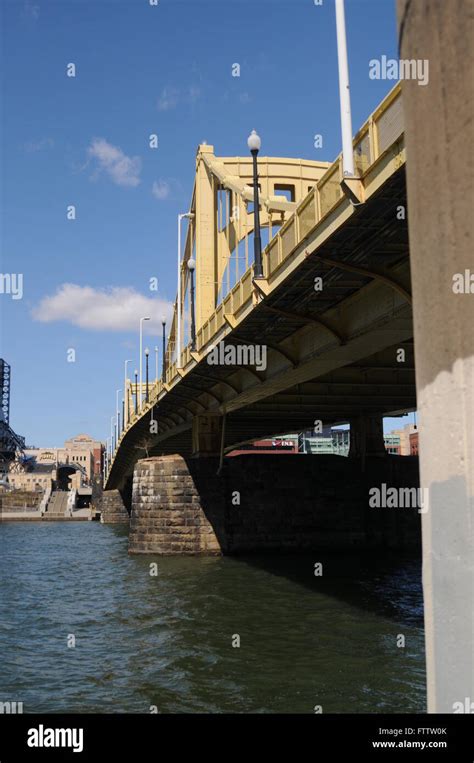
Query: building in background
(392, 441)
(414, 443)
(73, 466)
(286, 444)
(81, 457)
(403, 434)
(32, 477)
(331, 441)
(85, 442)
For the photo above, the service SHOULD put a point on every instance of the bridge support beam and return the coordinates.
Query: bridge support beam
(366, 437)
(440, 183)
(207, 432)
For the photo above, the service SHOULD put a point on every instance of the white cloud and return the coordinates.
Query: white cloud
(171, 97)
(113, 309)
(161, 190)
(31, 11)
(168, 99)
(122, 169)
(194, 94)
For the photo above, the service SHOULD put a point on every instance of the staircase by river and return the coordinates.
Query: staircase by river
(57, 504)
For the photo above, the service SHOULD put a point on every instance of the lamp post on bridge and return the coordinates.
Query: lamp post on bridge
(146, 318)
(112, 419)
(254, 144)
(344, 92)
(187, 216)
(123, 414)
(117, 411)
(147, 355)
(125, 421)
(191, 268)
(136, 392)
(163, 323)
(157, 349)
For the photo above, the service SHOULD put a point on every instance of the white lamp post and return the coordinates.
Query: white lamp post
(344, 92)
(163, 350)
(141, 357)
(126, 410)
(117, 393)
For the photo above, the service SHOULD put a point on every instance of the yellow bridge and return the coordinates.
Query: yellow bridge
(325, 335)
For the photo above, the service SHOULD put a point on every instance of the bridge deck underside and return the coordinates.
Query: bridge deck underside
(331, 353)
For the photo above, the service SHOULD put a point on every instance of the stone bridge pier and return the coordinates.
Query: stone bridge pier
(268, 503)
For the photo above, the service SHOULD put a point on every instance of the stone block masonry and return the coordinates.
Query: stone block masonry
(268, 503)
(168, 514)
(112, 508)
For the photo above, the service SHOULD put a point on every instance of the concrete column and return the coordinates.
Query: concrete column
(207, 430)
(366, 437)
(439, 138)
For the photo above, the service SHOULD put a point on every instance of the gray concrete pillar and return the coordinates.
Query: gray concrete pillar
(439, 138)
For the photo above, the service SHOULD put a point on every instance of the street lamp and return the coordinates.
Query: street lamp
(187, 216)
(191, 268)
(117, 393)
(254, 144)
(141, 355)
(125, 392)
(147, 354)
(344, 92)
(136, 392)
(112, 419)
(157, 349)
(163, 323)
(123, 414)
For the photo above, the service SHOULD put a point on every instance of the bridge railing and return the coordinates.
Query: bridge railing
(377, 135)
(375, 138)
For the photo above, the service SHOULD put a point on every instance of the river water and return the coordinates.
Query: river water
(165, 641)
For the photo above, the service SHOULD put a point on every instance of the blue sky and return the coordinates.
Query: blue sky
(84, 141)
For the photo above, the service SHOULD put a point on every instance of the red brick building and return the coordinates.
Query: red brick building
(414, 443)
